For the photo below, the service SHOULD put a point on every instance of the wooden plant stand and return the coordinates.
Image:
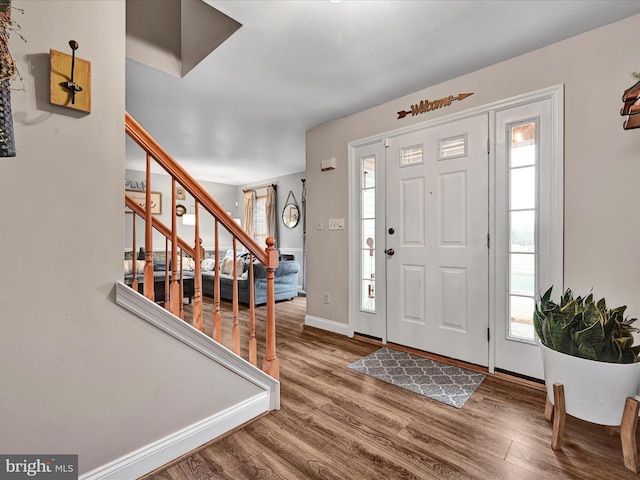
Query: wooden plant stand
(556, 412)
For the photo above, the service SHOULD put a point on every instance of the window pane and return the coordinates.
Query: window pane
(523, 188)
(368, 172)
(368, 265)
(523, 135)
(523, 156)
(522, 268)
(523, 145)
(260, 220)
(522, 226)
(521, 317)
(369, 203)
(411, 155)
(452, 147)
(367, 296)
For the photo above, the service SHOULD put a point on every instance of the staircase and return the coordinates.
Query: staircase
(176, 248)
(188, 328)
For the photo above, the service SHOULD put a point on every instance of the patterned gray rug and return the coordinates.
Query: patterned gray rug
(446, 383)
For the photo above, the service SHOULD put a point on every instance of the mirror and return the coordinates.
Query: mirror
(291, 212)
(290, 215)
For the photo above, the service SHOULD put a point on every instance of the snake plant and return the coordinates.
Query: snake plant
(584, 328)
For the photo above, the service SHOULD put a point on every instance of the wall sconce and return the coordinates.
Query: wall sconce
(328, 164)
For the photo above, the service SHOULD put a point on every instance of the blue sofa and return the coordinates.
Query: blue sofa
(285, 283)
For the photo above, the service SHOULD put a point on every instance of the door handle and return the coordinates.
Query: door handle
(390, 252)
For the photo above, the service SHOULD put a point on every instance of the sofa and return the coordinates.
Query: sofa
(285, 281)
(159, 276)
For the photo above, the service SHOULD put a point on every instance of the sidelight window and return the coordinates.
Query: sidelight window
(368, 233)
(522, 253)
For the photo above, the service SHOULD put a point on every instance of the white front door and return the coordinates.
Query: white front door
(436, 238)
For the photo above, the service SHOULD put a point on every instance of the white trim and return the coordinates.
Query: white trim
(329, 325)
(157, 454)
(177, 328)
(353, 240)
(289, 250)
(492, 236)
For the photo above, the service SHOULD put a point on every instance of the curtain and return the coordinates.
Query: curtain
(270, 207)
(249, 201)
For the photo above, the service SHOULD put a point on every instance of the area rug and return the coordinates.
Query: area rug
(446, 383)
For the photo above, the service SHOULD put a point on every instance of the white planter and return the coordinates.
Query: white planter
(593, 391)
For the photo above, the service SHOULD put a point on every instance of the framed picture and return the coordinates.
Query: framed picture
(141, 199)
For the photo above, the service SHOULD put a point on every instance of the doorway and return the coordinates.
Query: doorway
(452, 259)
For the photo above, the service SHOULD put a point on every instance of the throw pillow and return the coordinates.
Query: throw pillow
(226, 267)
(207, 265)
(188, 264)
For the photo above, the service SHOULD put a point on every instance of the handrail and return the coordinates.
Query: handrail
(158, 225)
(147, 143)
(267, 257)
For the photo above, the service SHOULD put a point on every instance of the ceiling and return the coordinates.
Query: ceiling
(240, 115)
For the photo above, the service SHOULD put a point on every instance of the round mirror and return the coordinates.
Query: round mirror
(290, 215)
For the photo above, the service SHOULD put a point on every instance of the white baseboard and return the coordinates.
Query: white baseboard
(325, 324)
(157, 454)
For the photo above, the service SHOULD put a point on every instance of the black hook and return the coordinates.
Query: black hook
(71, 85)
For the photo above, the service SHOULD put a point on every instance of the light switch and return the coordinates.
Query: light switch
(336, 224)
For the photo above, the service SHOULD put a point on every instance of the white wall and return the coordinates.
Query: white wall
(602, 163)
(79, 374)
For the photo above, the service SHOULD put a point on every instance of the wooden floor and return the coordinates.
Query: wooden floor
(338, 424)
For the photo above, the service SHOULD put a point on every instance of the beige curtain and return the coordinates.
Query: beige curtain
(249, 202)
(270, 207)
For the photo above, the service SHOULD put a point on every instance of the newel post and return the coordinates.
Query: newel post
(271, 364)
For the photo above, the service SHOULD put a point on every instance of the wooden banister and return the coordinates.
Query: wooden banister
(174, 294)
(147, 143)
(158, 225)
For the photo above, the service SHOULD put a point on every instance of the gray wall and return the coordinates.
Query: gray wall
(223, 194)
(602, 164)
(290, 240)
(79, 374)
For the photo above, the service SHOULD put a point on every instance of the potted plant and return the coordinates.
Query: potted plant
(588, 349)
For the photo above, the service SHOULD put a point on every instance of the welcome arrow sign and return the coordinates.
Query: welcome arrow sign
(427, 106)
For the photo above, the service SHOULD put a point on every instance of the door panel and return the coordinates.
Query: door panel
(437, 202)
(413, 202)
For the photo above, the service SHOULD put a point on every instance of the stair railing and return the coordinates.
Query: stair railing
(267, 257)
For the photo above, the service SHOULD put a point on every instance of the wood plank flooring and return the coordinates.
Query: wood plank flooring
(338, 424)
